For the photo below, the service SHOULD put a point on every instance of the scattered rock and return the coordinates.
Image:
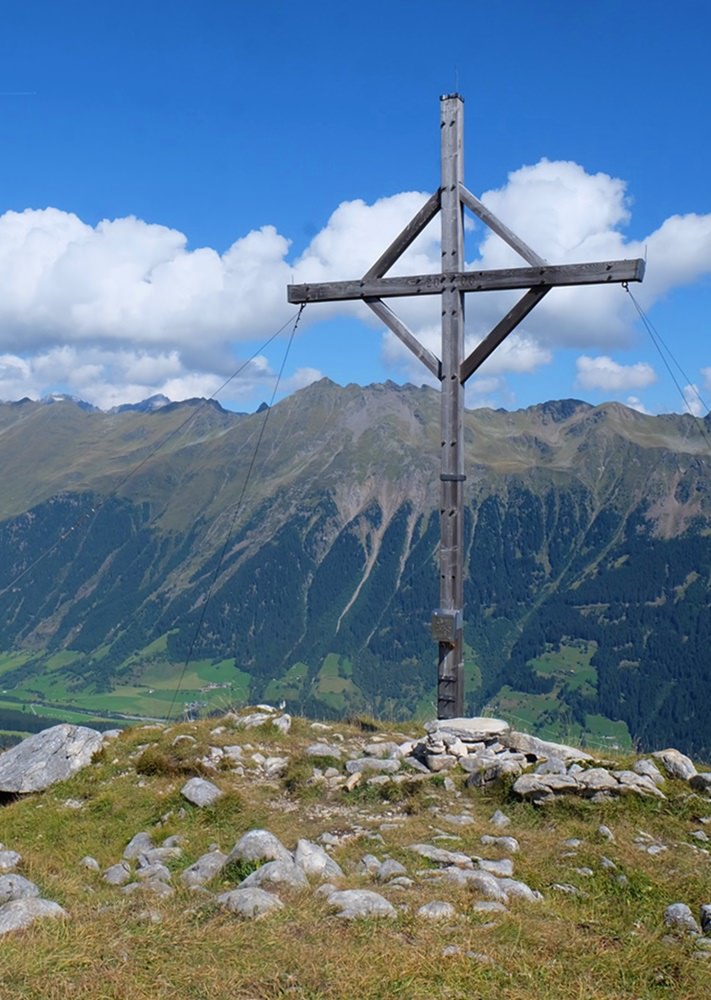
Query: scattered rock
(204, 869)
(469, 730)
(200, 792)
(249, 903)
(118, 874)
(437, 910)
(279, 873)
(9, 860)
(138, 845)
(313, 860)
(259, 845)
(679, 917)
(16, 887)
(21, 913)
(509, 844)
(355, 903)
(45, 758)
(676, 764)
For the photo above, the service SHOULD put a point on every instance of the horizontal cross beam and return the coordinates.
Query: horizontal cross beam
(604, 272)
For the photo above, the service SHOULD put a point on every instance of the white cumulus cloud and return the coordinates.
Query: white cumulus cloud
(127, 307)
(610, 376)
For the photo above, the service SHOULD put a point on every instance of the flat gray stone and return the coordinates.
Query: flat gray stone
(515, 889)
(641, 784)
(204, 869)
(278, 873)
(45, 758)
(440, 856)
(500, 819)
(527, 744)
(705, 918)
(200, 792)
(16, 887)
(356, 903)
(21, 913)
(259, 845)
(470, 730)
(509, 844)
(250, 903)
(437, 910)
(502, 869)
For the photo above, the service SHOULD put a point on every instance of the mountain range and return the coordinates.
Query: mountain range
(166, 557)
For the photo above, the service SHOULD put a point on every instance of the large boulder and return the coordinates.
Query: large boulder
(48, 757)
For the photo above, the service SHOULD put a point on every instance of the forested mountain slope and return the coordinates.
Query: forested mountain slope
(588, 542)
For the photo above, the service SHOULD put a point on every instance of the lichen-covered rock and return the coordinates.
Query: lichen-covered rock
(45, 758)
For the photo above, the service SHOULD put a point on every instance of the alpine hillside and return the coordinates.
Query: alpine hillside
(173, 554)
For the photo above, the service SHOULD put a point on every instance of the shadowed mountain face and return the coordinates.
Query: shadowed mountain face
(588, 546)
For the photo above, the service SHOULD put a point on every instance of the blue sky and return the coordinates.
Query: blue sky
(166, 168)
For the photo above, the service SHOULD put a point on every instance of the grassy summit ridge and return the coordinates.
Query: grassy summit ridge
(603, 940)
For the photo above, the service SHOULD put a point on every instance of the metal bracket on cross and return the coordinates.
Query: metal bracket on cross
(453, 367)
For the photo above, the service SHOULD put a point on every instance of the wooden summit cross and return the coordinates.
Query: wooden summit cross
(455, 367)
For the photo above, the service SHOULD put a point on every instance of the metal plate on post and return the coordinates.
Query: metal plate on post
(445, 625)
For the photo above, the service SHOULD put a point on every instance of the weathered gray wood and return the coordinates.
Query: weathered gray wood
(408, 235)
(497, 226)
(387, 316)
(450, 674)
(453, 371)
(501, 331)
(599, 273)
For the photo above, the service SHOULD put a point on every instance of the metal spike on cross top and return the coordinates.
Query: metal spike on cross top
(454, 366)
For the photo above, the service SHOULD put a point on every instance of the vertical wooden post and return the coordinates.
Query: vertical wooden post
(450, 673)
